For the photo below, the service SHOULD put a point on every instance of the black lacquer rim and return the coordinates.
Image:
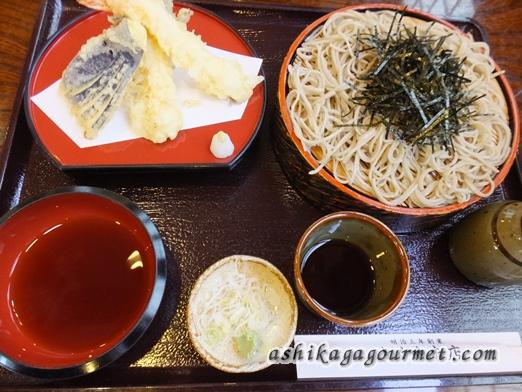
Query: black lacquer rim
(148, 314)
(146, 167)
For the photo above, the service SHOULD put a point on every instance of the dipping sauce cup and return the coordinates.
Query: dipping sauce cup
(351, 269)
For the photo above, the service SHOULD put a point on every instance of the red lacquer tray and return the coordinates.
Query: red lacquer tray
(206, 215)
(191, 149)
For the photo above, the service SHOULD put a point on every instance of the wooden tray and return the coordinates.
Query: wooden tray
(205, 216)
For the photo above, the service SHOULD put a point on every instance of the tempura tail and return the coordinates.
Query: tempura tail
(216, 76)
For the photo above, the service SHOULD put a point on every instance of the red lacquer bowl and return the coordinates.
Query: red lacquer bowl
(326, 185)
(67, 314)
(191, 148)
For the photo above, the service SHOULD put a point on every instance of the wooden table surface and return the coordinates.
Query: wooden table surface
(501, 19)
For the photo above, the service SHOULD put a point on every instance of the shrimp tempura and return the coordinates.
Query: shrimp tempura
(151, 98)
(214, 75)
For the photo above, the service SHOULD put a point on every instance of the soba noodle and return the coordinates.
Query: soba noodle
(320, 82)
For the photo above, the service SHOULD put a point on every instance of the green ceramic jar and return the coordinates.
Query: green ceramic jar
(487, 245)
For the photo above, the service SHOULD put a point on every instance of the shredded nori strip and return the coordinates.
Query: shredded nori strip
(416, 89)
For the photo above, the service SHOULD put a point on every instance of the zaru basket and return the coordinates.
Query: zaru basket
(328, 194)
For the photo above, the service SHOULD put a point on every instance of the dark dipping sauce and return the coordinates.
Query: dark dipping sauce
(79, 285)
(339, 276)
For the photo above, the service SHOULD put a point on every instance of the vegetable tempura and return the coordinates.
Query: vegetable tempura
(147, 88)
(215, 76)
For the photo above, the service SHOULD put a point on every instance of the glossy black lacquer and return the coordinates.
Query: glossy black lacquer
(205, 216)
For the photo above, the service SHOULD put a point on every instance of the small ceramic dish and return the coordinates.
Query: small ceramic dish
(84, 275)
(384, 250)
(240, 309)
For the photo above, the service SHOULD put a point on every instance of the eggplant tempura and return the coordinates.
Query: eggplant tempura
(148, 86)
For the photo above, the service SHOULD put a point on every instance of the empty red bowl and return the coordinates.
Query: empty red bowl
(83, 274)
